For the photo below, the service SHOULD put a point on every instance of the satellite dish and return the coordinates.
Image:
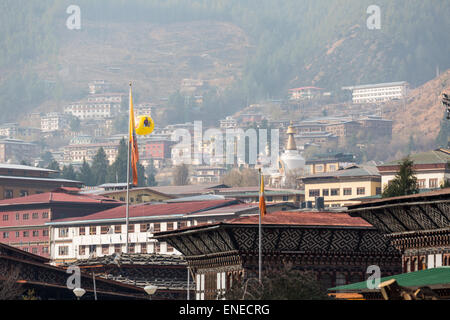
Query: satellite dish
(145, 125)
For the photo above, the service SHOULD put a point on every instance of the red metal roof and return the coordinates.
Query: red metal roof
(303, 218)
(53, 197)
(149, 209)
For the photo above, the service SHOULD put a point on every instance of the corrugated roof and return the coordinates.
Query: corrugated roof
(22, 167)
(150, 209)
(351, 172)
(429, 157)
(305, 218)
(52, 197)
(429, 277)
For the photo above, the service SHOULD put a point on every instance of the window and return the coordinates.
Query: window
(325, 192)
(35, 215)
(334, 192)
(285, 198)
(421, 183)
(131, 228)
(25, 234)
(117, 229)
(361, 191)
(105, 249)
(63, 250)
(25, 216)
(145, 227)
(44, 215)
(156, 227)
(433, 183)
(82, 231)
(5, 217)
(34, 250)
(131, 248)
(143, 248)
(169, 226)
(104, 229)
(93, 249)
(45, 232)
(347, 191)
(35, 233)
(8, 194)
(314, 193)
(82, 250)
(17, 234)
(63, 232)
(117, 248)
(17, 216)
(319, 168)
(378, 190)
(340, 279)
(157, 247)
(269, 198)
(45, 250)
(5, 235)
(182, 224)
(23, 193)
(169, 248)
(92, 231)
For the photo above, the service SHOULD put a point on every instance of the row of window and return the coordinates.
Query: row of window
(35, 250)
(26, 234)
(107, 249)
(26, 216)
(336, 192)
(117, 229)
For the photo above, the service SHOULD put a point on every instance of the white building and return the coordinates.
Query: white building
(54, 121)
(228, 123)
(104, 233)
(431, 169)
(96, 106)
(381, 92)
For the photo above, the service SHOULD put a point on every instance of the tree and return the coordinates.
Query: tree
(279, 284)
(241, 178)
(404, 183)
(75, 124)
(54, 165)
(47, 158)
(10, 289)
(117, 172)
(85, 175)
(181, 175)
(100, 165)
(69, 173)
(151, 173)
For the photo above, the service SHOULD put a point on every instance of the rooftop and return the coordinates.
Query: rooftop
(353, 171)
(433, 278)
(429, 157)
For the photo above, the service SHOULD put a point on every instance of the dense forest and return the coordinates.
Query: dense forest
(294, 42)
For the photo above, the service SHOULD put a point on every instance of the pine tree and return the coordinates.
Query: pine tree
(117, 172)
(99, 167)
(85, 175)
(68, 172)
(54, 165)
(404, 183)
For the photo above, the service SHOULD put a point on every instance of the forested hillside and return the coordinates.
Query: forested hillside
(290, 43)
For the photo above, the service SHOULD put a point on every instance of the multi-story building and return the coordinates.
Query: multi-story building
(328, 164)
(96, 106)
(77, 153)
(98, 86)
(23, 220)
(431, 169)
(342, 187)
(54, 121)
(271, 195)
(20, 181)
(376, 126)
(380, 92)
(14, 150)
(228, 123)
(104, 233)
(305, 93)
(14, 131)
(206, 174)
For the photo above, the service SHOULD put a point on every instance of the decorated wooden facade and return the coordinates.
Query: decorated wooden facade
(168, 272)
(50, 282)
(336, 247)
(417, 225)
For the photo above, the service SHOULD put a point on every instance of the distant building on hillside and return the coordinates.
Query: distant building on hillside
(54, 121)
(98, 86)
(228, 123)
(96, 106)
(13, 150)
(380, 92)
(305, 93)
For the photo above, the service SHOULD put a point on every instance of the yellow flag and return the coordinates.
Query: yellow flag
(133, 143)
(262, 201)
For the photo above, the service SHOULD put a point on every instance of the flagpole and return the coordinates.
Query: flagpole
(128, 177)
(260, 233)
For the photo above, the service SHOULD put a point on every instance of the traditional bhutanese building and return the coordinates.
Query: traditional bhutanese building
(419, 227)
(168, 272)
(336, 247)
(32, 272)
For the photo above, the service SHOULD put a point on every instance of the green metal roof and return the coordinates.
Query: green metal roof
(430, 157)
(430, 277)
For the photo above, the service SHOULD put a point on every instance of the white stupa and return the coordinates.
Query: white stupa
(291, 159)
